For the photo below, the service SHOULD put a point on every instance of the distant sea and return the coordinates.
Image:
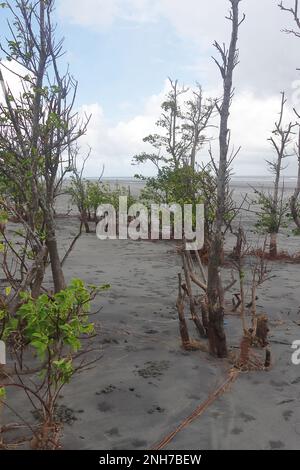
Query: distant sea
(236, 181)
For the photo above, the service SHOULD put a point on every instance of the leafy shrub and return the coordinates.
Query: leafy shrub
(89, 195)
(180, 185)
(270, 220)
(54, 329)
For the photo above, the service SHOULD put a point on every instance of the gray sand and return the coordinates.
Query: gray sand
(145, 384)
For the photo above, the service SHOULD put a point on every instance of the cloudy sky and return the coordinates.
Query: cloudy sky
(122, 52)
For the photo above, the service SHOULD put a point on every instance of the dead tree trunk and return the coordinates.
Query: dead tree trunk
(229, 60)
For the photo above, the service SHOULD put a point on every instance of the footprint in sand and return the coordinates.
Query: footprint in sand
(105, 391)
(275, 445)
(153, 369)
(139, 443)
(113, 432)
(247, 418)
(104, 407)
(287, 414)
(236, 431)
(156, 409)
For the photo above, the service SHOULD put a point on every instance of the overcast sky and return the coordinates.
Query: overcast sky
(122, 52)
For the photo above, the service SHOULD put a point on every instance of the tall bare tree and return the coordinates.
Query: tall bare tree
(294, 11)
(294, 201)
(38, 127)
(198, 116)
(183, 124)
(226, 65)
(274, 207)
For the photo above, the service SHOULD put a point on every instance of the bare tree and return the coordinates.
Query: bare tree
(171, 145)
(227, 64)
(280, 141)
(273, 206)
(183, 125)
(38, 127)
(295, 14)
(198, 116)
(294, 201)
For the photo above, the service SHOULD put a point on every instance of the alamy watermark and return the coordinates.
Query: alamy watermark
(296, 353)
(139, 222)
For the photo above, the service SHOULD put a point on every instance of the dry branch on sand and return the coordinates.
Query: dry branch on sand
(232, 376)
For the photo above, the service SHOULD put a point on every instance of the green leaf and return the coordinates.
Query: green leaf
(7, 291)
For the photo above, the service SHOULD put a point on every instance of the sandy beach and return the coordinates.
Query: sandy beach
(145, 384)
(149, 230)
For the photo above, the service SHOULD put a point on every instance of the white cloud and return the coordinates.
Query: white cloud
(12, 72)
(98, 13)
(115, 145)
(268, 60)
(268, 65)
(268, 57)
(252, 121)
(102, 13)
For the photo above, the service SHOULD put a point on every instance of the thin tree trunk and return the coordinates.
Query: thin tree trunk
(276, 212)
(51, 242)
(194, 314)
(242, 310)
(216, 333)
(37, 110)
(194, 149)
(273, 245)
(217, 337)
(253, 306)
(40, 274)
(84, 221)
(57, 272)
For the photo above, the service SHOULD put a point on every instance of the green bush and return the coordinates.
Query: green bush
(268, 219)
(180, 185)
(54, 329)
(89, 195)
